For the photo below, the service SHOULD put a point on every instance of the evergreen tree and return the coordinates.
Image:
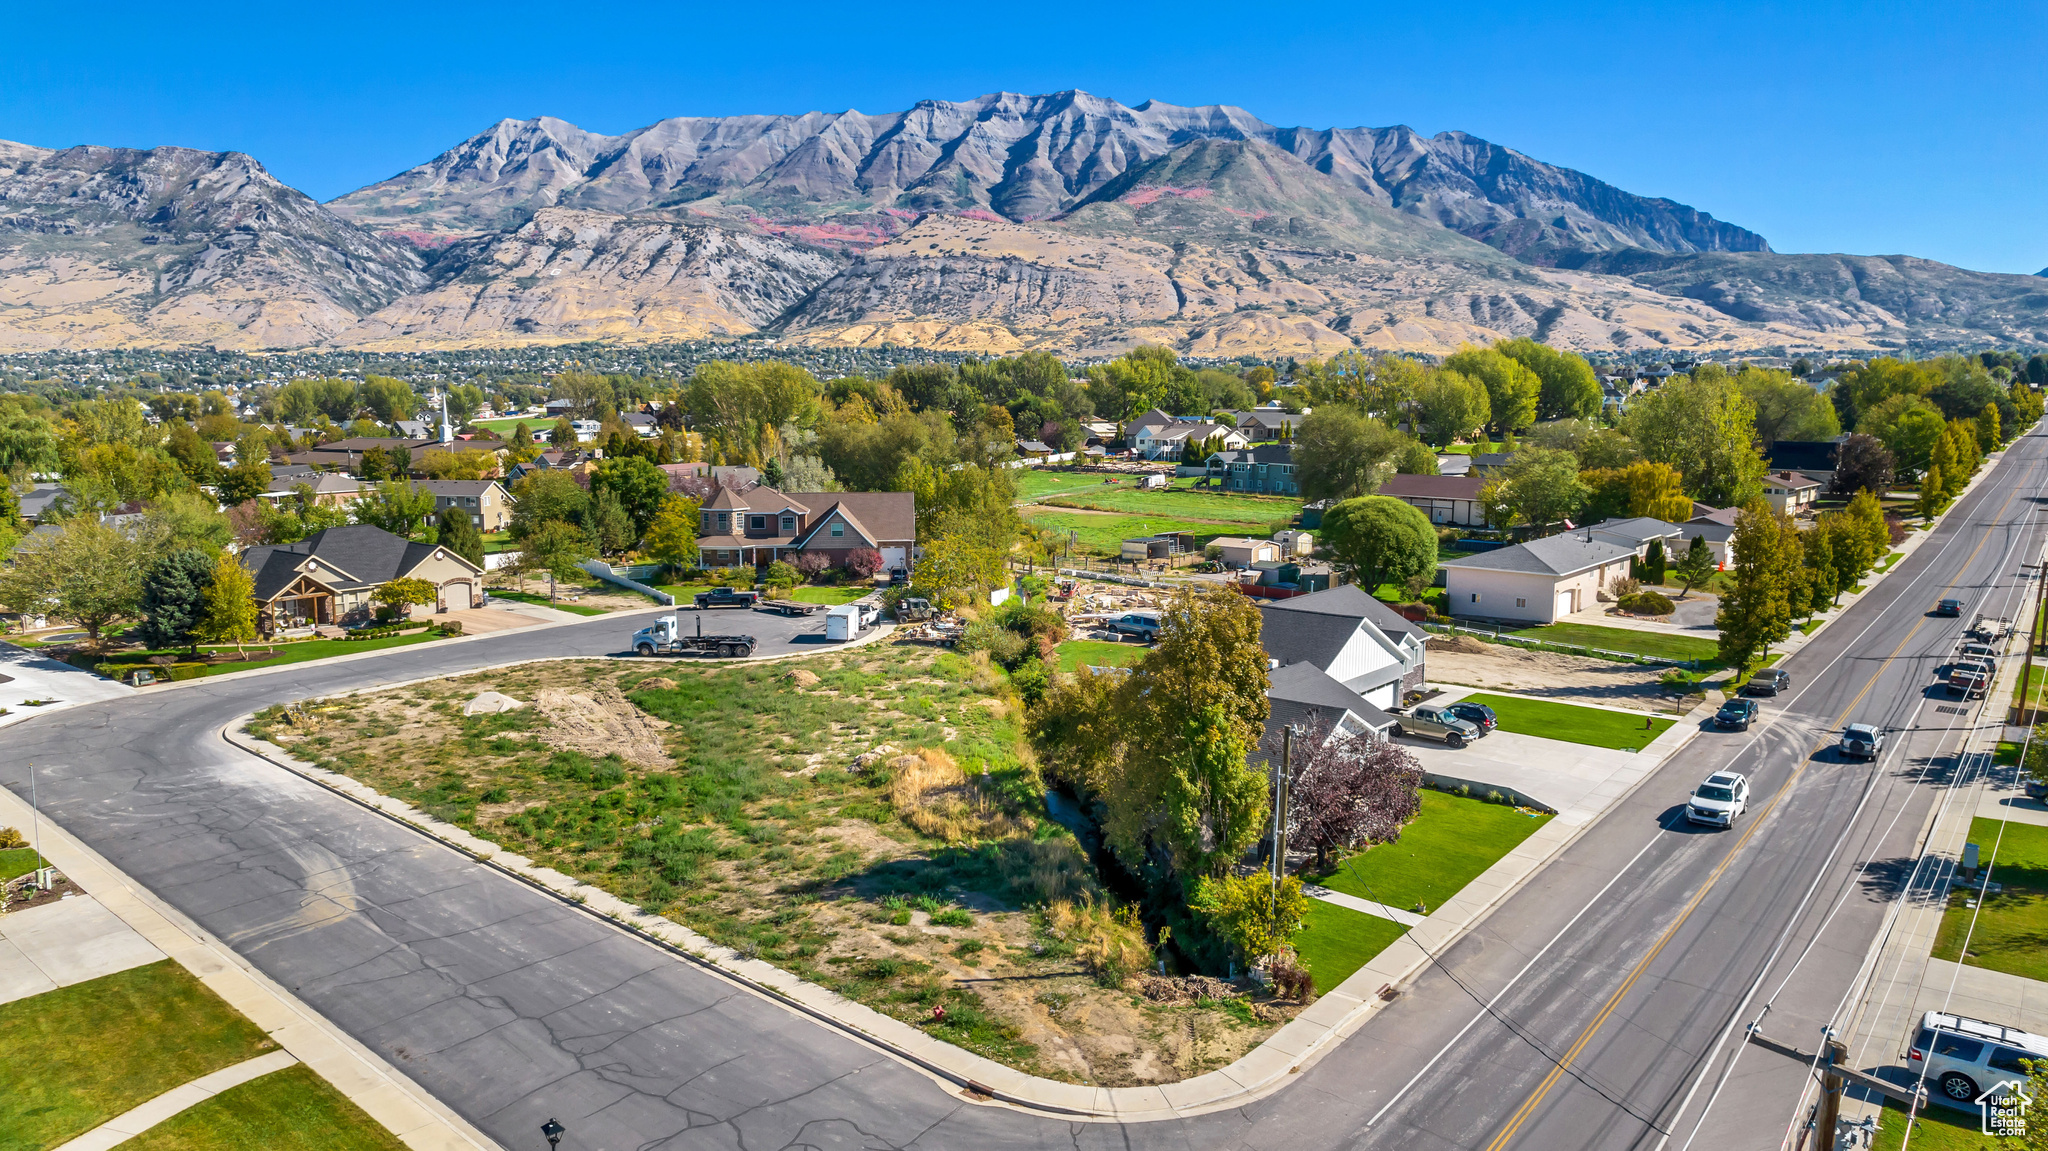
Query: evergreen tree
(173, 598)
(1653, 564)
(459, 534)
(1698, 565)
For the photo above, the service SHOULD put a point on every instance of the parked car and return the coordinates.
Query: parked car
(1138, 625)
(1477, 714)
(1862, 741)
(899, 576)
(1428, 722)
(1949, 607)
(1717, 802)
(1736, 715)
(1978, 652)
(1769, 681)
(1962, 1056)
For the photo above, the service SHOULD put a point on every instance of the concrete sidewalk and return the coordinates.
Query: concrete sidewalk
(70, 941)
(387, 1095)
(29, 675)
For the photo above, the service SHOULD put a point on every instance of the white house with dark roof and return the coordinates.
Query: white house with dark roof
(1304, 696)
(1792, 493)
(1354, 639)
(1539, 581)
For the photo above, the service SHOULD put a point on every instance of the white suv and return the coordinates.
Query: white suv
(1964, 1057)
(1719, 800)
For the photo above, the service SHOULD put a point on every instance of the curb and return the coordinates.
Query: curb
(1260, 1072)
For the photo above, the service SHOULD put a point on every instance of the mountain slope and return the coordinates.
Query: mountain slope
(1021, 157)
(106, 246)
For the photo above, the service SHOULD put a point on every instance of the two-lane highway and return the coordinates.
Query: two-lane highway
(1593, 1009)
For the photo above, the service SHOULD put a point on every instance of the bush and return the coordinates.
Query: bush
(811, 564)
(1004, 646)
(782, 574)
(1622, 587)
(11, 837)
(1647, 603)
(1031, 677)
(1111, 944)
(863, 563)
(1291, 978)
(451, 627)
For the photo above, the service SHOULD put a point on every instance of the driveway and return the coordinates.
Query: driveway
(1559, 775)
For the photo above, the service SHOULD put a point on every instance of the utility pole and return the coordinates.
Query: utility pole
(1831, 1085)
(2026, 705)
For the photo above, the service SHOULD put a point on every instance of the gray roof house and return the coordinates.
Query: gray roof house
(1635, 533)
(1302, 694)
(1359, 642)
(38, 499)
(328, 576)
(1539, 582)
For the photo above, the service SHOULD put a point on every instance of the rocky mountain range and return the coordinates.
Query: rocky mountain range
(1066, 222)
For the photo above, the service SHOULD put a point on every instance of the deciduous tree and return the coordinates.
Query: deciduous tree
(230, 604)
(1349, 789)
(1381, 539)
(1512, 390)
(1755, 612)
(672, 537)
(89, 573)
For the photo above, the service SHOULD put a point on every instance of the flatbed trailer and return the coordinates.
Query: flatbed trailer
(1991, 629)
(789, 606)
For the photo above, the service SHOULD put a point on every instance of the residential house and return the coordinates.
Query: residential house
(1101, 433)
(327, 577)
(761, 525)
(1266, 469)
(1791, 492)
(1487, 463)
(1446, 500)
(643, 424)
(1354, 639)
(347, 455)
(1453, 464)
(1156, 441)
(40, 498)
(1033, 448)
(1814, 459)
(329, 489)
(486, 502)
(1303, 696)
(574, 462)
(1269, 422)
(1240, 552)
(1636, 534)
(1539, 581)
(1717, 527)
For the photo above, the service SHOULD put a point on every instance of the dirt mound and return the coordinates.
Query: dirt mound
(655, 683)
(1470, 645)
(1184, 989)
(801, 678)
(601, 723)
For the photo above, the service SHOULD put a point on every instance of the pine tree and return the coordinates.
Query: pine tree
(173, 596)
(459, 534)
(1698, 565)
(1653, 564)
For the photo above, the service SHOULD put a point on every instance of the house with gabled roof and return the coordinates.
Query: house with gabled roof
(327, 577)
(1303, 696)
(1540, 581)
(761, 525)
(1359, 642)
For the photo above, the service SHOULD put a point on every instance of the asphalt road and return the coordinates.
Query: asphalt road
(1612, 978)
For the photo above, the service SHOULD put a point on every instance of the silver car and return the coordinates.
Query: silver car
(1963, 1057)
(1862, 741)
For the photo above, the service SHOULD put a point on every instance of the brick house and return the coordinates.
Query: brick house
(761, 525)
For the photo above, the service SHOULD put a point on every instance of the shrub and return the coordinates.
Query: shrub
(932, 794)
(1291, 978)
(1621, 587)
(1647, 603)
(1031, 677)
(810, 564)
(1002, 645)
(11, 837)
(1046, 871)
(451, 627)
(863, 563)
(782, 574)
(1110, 944)
(953, 917)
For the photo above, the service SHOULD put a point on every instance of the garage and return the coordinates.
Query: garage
(458, 595)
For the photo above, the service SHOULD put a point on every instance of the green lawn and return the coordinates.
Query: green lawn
(1439, 852)
(529, 597)
(831, 595)
(498, 542)
(534, 424)
(1105, 534)
(16, 861)
(1336, 941)
(299, 651)
(1592, 726)
(1936, 1128)
(1088, 491)
(1654, 644)
(80, 1055)
(2035, 679)
(2011, 925)
(1076, 652)
(288, 1110)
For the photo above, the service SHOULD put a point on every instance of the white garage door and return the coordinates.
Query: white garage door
(456, 596)
(1564, 603)
(893, 558)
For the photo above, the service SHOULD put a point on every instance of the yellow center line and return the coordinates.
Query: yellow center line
(1528, 1107)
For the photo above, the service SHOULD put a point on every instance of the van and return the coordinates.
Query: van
(1964, 1057)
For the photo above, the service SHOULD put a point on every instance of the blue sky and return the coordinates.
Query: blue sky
(1869, 128)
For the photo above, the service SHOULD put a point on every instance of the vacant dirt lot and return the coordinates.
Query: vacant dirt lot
(1474, 663)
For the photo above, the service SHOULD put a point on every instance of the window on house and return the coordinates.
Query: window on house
(1475, 597)
(1520, 602)
(758, 523)
(838, 530)
(789, 523)
(724, 520)
(704, 521)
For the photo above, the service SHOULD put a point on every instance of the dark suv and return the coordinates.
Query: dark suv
(1736, 715)
(1477, 714)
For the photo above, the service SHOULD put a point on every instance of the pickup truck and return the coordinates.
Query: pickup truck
(664, 637)
(1428, 722)
(726, 597)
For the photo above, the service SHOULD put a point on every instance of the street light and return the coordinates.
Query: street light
(554, 1131)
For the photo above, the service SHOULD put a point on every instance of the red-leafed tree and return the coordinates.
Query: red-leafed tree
(1349, 789)
(862, 563)
(812, 564)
